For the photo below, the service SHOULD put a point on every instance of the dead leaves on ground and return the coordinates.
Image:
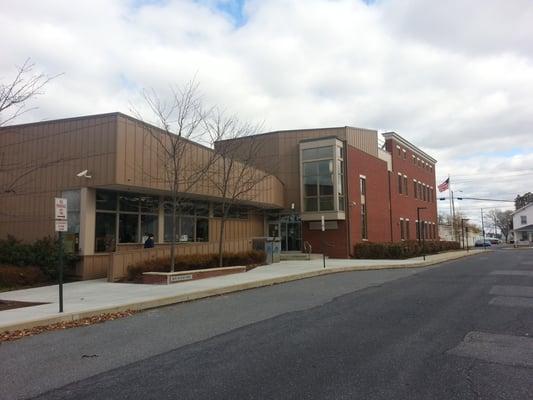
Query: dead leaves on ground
(96, 319)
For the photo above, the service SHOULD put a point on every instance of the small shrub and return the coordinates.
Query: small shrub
(194, 261)
(43, 253)
(401, 250)
(13, 276)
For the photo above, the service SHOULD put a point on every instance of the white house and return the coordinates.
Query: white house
(523, 225)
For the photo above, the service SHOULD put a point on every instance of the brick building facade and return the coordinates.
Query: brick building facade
(363, 190)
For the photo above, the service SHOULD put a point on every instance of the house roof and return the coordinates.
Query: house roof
(523, 208)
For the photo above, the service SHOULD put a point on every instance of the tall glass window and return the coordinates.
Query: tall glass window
(318, 183)
(364, 216)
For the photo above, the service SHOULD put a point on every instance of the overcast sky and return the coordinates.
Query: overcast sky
(454, 77)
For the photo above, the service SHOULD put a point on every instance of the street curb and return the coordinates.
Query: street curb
(165, 301)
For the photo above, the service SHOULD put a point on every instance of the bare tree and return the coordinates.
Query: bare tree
(233, 175)
(502, 220)
(180, 124)
(14, 95)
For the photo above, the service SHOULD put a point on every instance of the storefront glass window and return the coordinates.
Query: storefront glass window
(149, 225)
(106, 200)
(128, 228)
(128, 202)
(105, 238)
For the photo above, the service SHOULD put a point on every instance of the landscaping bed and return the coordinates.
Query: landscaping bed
(196, 264)
(24, 265)
(167, 278)
(402, 250)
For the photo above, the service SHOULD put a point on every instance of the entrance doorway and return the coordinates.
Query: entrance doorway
(291, 236)
(289, 229)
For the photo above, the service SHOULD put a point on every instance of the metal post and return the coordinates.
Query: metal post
(483, 229)
(424, 246)
(60, 272)
(322, 242)
(418, 222)
(462, 234)
(420, 231)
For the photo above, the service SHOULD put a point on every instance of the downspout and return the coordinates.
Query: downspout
(346, 198)
(390, 208)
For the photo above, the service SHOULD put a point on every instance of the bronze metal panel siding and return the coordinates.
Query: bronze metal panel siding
(363, 139)
(51, 153)
(143, 159)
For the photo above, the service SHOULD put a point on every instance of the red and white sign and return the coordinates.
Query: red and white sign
(61, 208)
(61, 226)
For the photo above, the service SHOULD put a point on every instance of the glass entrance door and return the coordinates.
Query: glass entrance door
(291, 234)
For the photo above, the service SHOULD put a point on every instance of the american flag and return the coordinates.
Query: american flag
(444, 185)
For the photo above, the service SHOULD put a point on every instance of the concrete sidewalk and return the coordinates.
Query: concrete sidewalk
(88, 298)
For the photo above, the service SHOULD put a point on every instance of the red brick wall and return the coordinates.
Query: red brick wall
(379, 205)
(377, 200)
(377, 196)
(404, 206)
(335, 240)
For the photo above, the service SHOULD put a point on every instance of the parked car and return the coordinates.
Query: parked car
(481, 243)
(494, 241)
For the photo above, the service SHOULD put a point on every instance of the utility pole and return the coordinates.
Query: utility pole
(453, 216)
(483, 229)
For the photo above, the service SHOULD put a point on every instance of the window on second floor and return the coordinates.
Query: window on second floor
(523, 219)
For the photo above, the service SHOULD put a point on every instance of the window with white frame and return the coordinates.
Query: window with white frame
(322, 169)
(523, 219)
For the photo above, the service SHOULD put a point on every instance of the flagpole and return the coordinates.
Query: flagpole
(453, 206)
(451, 211)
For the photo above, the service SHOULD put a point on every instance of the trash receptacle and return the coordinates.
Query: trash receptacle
(270, 245)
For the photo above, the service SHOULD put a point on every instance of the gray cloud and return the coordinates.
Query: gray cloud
(454, 77)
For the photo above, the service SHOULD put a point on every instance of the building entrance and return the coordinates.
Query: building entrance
(291, 236)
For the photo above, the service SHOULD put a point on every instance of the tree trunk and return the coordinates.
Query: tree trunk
(174, 230)
(221, 241)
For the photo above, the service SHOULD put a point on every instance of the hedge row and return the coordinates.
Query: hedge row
(401, 250)
(12, 276)
(42, 254)
(195, 261)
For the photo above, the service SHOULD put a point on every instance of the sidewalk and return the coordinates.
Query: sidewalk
(88, 298)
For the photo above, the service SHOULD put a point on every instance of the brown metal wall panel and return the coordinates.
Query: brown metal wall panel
(48, 155)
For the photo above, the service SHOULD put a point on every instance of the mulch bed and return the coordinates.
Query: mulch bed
(10, 304)
(97, 319)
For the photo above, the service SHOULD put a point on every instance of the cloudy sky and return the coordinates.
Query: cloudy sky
(454, 77)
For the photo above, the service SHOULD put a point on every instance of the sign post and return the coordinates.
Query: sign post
(61, 226)
(323, 228)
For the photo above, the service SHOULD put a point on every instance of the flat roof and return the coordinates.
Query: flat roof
(299, 130)
(405, 142)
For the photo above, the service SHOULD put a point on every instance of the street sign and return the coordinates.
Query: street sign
(322, 223)
(61, 226)
(61, 208)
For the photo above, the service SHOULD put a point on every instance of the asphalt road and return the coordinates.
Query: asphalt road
(462, 330)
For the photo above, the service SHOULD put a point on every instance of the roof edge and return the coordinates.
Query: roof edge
(394, 135)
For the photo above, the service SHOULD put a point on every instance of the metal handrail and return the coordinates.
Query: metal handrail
(308, 249)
